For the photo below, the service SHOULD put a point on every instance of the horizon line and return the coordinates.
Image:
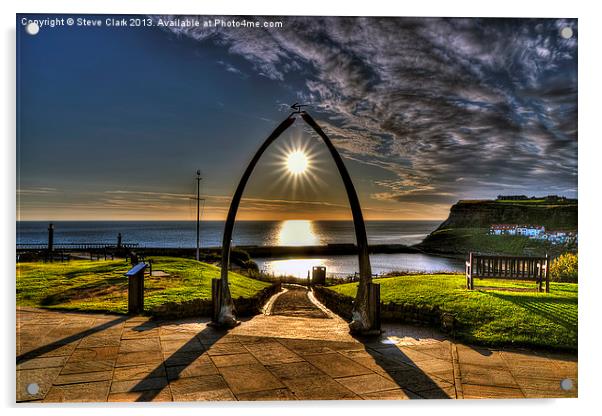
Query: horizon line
(223, 220)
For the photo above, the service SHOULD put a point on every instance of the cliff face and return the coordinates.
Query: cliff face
(466, 228)
(481, 214)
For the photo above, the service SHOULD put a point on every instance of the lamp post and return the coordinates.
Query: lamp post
(198, 213)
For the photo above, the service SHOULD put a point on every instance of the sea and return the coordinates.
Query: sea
(182, 234)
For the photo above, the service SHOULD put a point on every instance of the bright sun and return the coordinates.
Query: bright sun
(296, 162)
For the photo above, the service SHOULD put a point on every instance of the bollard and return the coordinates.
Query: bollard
(546, 271)
(50, 238)
(318, 275)
(136, 289)
(468, 273)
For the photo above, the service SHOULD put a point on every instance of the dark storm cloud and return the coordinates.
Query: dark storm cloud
(449, 107)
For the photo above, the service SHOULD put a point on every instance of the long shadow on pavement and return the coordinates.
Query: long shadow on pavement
(67, 340)
(179, 361)
(402, 369)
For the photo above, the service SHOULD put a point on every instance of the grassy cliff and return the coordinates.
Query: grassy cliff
(481, 214)
(466, 228)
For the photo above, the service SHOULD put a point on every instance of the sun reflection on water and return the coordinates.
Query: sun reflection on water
(293, 267)
(297, 233)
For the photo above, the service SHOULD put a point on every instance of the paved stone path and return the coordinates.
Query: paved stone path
(296, 302)
(303, 354)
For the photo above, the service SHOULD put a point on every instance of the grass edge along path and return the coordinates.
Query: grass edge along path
(100, 286)
(503, 314)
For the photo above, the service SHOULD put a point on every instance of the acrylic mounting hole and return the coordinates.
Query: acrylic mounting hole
(33, 388)
(566, 32)
(566, 384)
(32, 28)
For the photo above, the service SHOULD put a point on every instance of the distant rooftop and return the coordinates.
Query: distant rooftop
(526, 198)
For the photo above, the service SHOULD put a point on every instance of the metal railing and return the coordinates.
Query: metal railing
(75, 246)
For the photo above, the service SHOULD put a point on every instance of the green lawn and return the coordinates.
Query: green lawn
(102, 286)
(493, 316)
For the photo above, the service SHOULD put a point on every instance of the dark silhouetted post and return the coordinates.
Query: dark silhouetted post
(198, 214)
(50, 238)
(119, 241)
(547, 273)
(136, 288)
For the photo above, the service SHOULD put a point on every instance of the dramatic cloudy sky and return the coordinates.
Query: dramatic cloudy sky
(113, 122)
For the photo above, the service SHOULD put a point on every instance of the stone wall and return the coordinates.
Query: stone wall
(340, 304)
(253, 305)
(389, 312)
(203, 307)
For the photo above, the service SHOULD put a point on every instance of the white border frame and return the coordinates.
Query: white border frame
(589, 194)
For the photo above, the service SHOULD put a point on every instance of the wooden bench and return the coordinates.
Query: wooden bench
(508, 267)
(136, 258)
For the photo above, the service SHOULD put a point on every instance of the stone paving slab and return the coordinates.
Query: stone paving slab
(234, 359)
(138, 372)
(417, 381)
(212, 387)
(267, 395)
(94, 353)
(227, 348)
(137, 358)
(249, 378)
(295, 370)
(42, 362)
(163, 395)
(101, 341)
(368, 383)
(272, 353)
(75, 378)
(139, 345)
(37, 348)
(319, 388)
(337, 365)
(531, 387)
(42, 377)
(195, 369)
(474, 391)
(83, 392)
(437, 393)
(94, 357)
(148, 383)
(180, 358)
(305, 347)
(396, 394)
(181, 344)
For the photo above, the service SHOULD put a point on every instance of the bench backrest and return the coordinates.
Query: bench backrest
(507, 267)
